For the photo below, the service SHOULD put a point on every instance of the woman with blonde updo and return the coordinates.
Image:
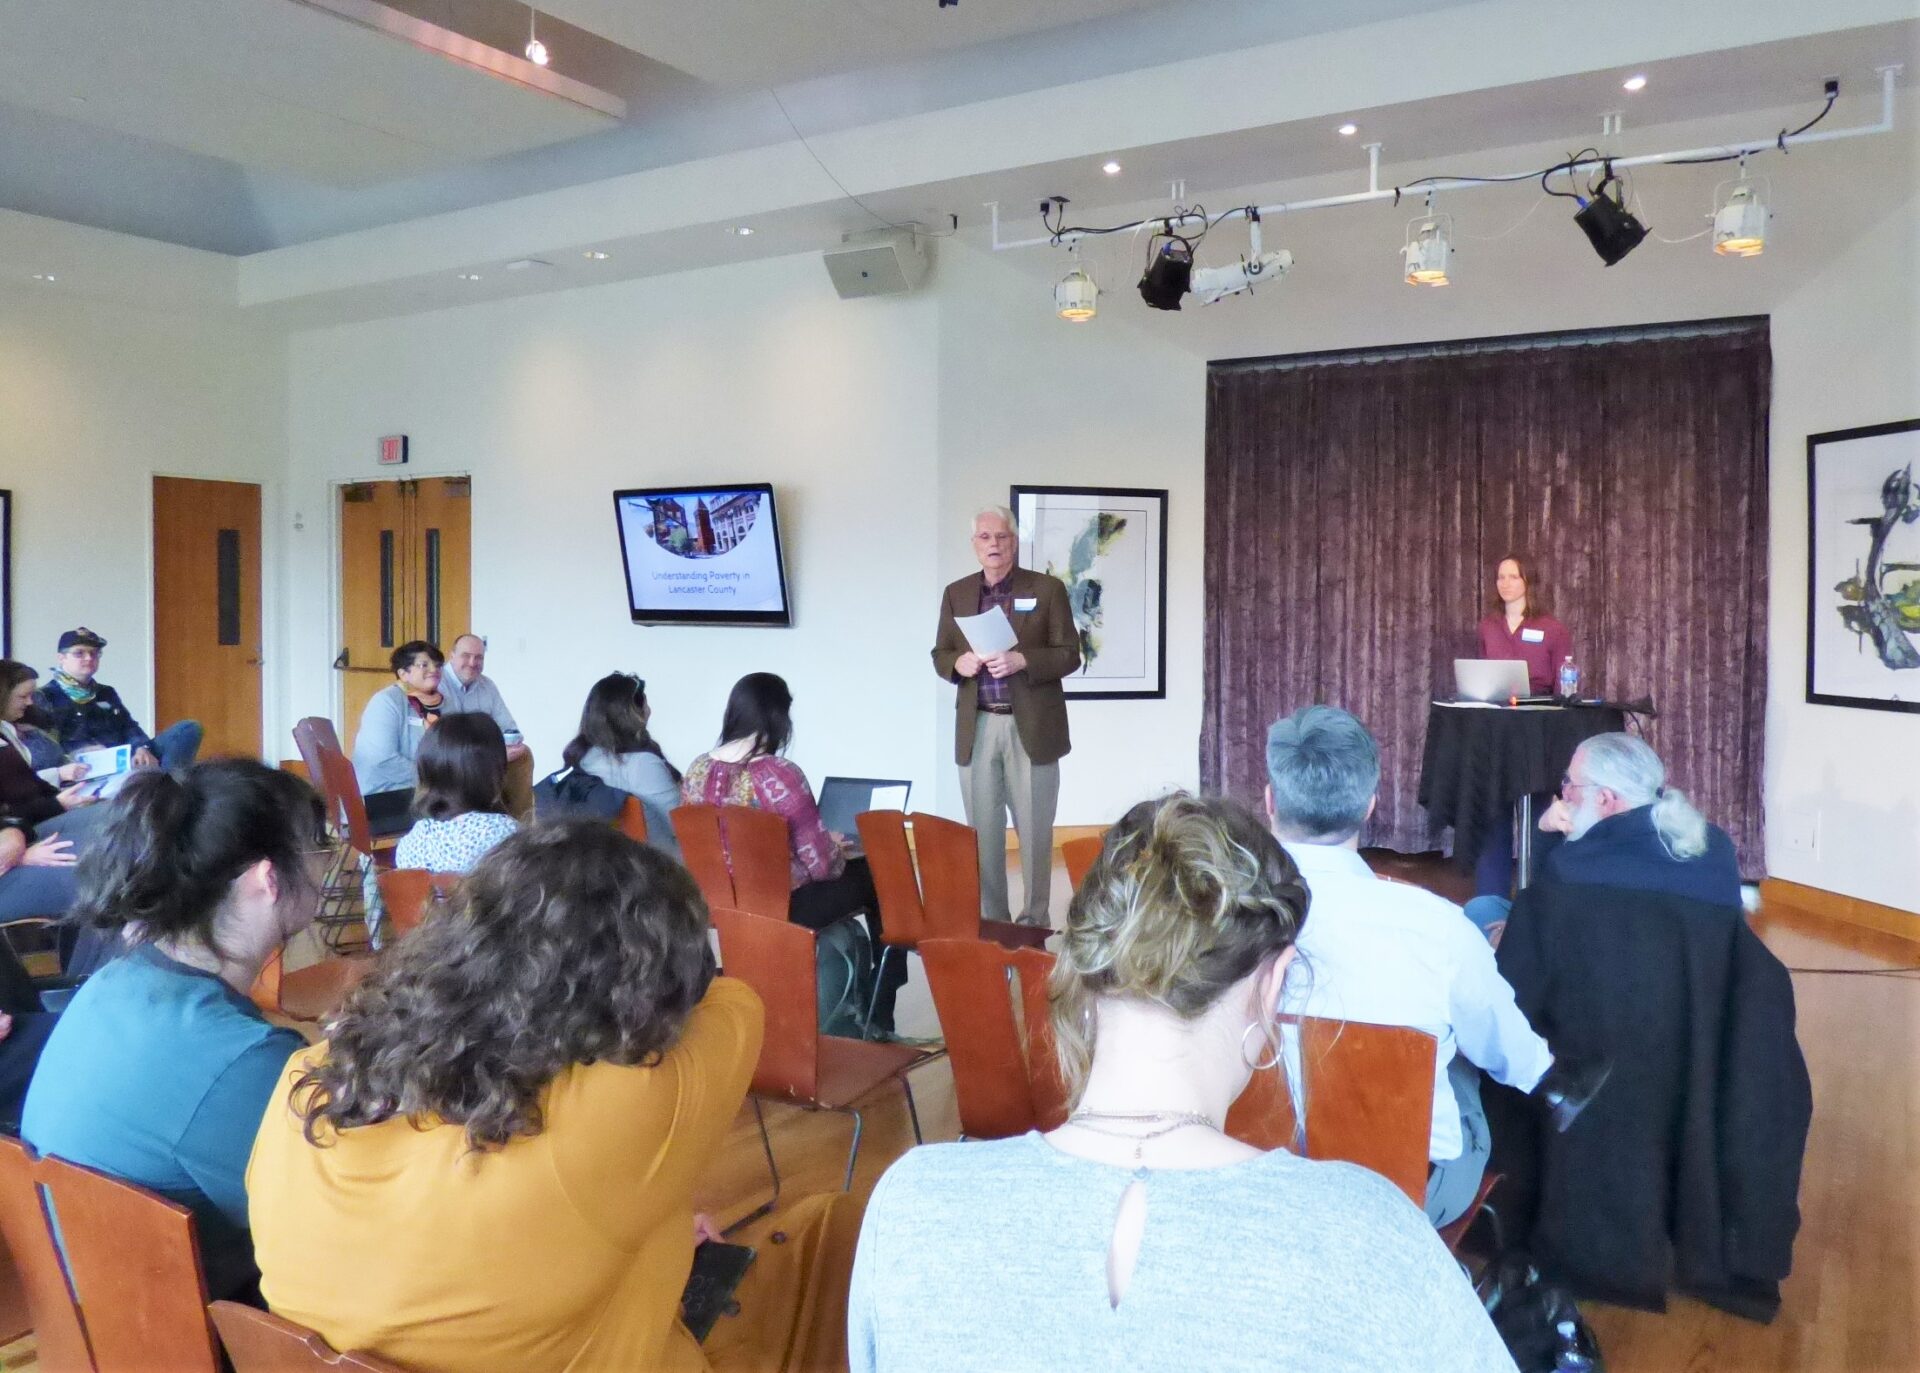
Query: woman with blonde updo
(1138, 1234)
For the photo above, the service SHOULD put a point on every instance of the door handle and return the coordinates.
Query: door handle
(340, 663)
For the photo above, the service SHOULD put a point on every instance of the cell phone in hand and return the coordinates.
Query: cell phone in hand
(717, 1271)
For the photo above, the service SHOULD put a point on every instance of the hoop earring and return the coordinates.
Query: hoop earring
(1273, 1042)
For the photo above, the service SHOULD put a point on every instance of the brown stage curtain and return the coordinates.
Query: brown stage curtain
(1358, 502)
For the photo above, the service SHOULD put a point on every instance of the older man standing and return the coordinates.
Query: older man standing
(468, 690)
(1010, 714)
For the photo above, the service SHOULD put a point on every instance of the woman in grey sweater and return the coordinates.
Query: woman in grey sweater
(1138, 1235)
(613, 744)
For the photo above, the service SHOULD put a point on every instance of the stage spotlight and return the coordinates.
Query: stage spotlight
(1429, 247)
(1607, 222)
(1168, 276)
(1739, 220)
(536, 50)
(1076, 297)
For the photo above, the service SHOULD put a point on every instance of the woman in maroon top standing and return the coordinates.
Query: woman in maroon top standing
(1521, 628)
(746, 769)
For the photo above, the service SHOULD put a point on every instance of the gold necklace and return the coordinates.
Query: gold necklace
(1165, 1121)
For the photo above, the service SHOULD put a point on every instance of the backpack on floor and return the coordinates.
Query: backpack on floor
(843, 978)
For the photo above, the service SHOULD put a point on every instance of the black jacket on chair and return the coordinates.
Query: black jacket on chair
(1687, 1163)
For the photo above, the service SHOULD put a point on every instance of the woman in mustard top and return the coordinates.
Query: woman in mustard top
(491, 1163)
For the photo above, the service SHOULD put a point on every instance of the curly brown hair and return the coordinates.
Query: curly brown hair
(569, 943)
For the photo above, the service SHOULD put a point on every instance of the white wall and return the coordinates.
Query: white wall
(94, 400)
(752, 373)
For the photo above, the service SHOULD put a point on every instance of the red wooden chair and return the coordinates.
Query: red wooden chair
(134, 1266)
(799, 1065)
(1079, 856)
(632, 820)
(407, 892)
(738, 855)
(1004, 1083)
(359, 852)
(949, 859)
(311, 993)
(59, 1336)
(260, 1342)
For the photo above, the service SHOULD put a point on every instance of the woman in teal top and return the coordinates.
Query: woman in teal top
(160, 1069)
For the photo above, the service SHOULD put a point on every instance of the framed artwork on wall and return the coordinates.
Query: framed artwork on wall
(1109, 545)
(6, 574)
(1863, 567)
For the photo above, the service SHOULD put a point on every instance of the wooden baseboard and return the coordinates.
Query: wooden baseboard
(1848, 910)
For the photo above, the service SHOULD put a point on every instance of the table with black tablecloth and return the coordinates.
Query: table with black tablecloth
(1482, 761)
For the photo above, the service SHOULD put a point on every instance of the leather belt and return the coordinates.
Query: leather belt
(996, 710)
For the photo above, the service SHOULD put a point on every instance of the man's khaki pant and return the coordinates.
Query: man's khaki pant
(1001, 778)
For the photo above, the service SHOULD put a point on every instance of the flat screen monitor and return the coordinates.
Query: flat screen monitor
(703, 555)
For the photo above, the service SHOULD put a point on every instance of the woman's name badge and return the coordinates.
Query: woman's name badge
(1533, 636)
(1026, 604)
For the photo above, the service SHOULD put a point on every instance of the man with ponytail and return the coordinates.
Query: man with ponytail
(1632, 946)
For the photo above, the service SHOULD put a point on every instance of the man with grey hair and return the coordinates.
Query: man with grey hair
(468, 690)
(1010, 713)
(1389, 953)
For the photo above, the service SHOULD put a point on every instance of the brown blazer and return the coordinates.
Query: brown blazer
(1048, 639)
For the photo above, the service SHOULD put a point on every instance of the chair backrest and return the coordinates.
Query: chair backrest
(973, 992)
(135, 1269)
(949, 857)
(265, 992)
(1368, 1092)
(59, 1336)
(883, 837)
(260, 1342)
(1078, 855)
(776, 958)
(311, 735)
(696, 826)
(632, 820)
(406, 893)
(346, 808)
(759, 853)
(1035, 970)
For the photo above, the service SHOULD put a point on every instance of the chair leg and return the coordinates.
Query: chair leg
(853, 1152)
(873, 998)
(766, 1143)
(913, 1112)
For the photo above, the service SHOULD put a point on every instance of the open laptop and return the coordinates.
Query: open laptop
(1494, 681)
(842, 798)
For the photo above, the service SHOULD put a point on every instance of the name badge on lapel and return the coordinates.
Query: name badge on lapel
(1533, 636)
(1025, 604)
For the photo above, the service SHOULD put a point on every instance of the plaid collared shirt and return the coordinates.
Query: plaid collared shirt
(996, 693)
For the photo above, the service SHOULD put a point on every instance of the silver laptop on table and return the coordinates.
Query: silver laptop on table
(842, 798)
(1494, 681)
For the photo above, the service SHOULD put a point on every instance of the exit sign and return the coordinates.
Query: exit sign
(393, 450)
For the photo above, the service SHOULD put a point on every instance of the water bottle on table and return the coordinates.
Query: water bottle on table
(1569, 685)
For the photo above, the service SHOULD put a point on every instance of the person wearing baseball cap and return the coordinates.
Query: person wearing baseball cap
(83, 713)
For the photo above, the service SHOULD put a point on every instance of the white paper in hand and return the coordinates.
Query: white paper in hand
(988, 634)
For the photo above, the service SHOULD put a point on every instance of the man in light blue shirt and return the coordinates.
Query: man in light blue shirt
(468, 690)
(1388, 953)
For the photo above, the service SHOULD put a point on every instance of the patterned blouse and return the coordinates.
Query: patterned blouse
(769, 783)
(453, 845)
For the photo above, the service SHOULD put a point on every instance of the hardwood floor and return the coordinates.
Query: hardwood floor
(1852, 1304)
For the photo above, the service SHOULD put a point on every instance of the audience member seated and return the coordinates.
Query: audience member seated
(614, 745)
(747, 770)
(1138, 1235)
(467, 689)
(391, 728)
(36, 878)
(1389, 953)
(26, 795)
(159, 1069)
(1633, 946)
(463, 812)
(492, 1162)
(83, 713)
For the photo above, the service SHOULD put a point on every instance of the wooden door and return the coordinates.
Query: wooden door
(206, 611)
(405, 573)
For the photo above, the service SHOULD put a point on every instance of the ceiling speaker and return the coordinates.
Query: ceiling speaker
(885, 263)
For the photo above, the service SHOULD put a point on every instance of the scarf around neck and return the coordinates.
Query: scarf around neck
(79, 692)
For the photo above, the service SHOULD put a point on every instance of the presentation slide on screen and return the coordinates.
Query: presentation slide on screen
(702, 551)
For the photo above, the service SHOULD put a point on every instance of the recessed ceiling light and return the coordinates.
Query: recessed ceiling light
(1635, 83)
(743, 229)
(469, 276)
(1111, 169)
(47, 277)
(1349, 130)
(594, 255)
